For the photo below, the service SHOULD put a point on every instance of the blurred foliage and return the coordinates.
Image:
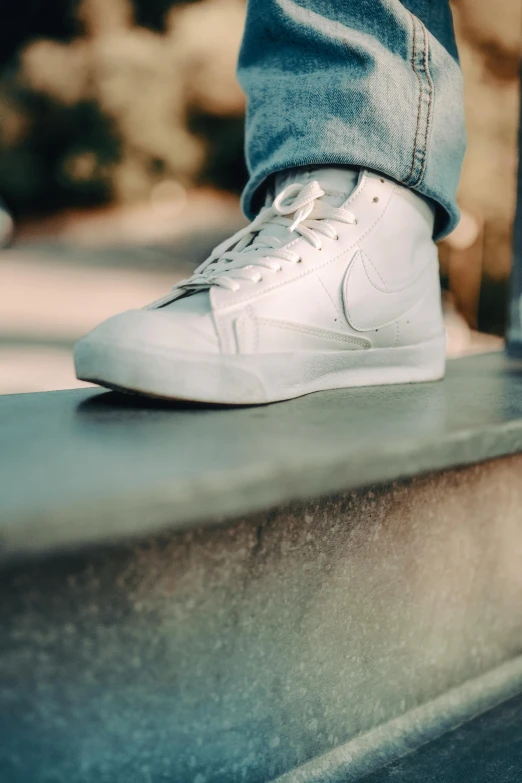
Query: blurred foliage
(477, 257)
(101, 101)
(490, 48)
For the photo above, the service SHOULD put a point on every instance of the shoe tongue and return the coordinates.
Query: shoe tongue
(337, 182)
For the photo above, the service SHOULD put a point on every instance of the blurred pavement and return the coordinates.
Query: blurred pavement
(65, 274)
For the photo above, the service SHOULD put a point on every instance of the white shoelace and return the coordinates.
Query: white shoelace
(241, 257)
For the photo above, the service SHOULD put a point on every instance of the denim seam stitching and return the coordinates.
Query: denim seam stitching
(419, 106)
(430, 102)
(425, 81)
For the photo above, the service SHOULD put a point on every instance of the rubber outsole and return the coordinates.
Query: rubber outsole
(255, 378)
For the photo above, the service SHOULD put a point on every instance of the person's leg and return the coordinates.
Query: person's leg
(370, 83)
(354, 141)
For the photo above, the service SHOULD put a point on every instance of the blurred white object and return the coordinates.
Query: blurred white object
(466, 233)
(6, 225)
(461, 340)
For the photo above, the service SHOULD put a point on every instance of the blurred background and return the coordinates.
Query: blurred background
(121, 159)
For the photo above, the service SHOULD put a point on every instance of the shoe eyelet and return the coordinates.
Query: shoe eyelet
(381, 180)
(376, 199)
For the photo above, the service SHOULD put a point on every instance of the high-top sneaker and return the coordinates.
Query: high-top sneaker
(334, 284)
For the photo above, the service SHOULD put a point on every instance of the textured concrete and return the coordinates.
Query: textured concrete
(222, 655)
(86, 466)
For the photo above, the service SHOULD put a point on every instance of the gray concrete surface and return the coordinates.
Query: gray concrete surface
(232, 654)
(86, 466)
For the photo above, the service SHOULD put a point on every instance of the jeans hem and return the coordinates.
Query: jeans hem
(448, 214)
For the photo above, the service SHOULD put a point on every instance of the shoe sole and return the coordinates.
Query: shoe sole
(253, 379)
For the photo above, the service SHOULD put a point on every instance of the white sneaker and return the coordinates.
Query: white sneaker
(323, 290)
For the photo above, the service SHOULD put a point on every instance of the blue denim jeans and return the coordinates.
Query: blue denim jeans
(370, 83)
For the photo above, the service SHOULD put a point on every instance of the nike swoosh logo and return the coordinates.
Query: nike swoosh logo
(369, 306)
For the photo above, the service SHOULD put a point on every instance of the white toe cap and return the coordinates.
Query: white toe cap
(159, 329)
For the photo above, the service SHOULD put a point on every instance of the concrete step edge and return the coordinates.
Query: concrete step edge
(374, 749)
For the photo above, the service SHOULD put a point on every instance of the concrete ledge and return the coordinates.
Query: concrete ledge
(486, 749)
(83, 467)
(241, 653)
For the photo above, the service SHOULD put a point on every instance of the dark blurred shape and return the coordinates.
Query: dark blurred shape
(153, 13)
(481, 249)
(26, 20)
(514, 333)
